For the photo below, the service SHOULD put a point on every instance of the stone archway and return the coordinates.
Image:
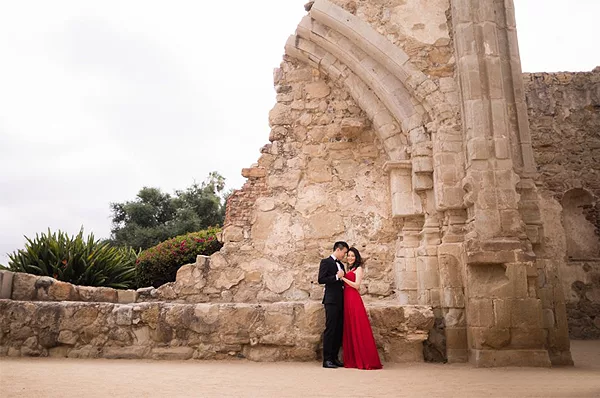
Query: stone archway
(457, 156)
(582, 240)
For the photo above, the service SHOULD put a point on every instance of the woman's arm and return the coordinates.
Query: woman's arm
(359, 275)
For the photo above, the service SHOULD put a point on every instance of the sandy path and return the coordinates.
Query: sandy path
(50, 377)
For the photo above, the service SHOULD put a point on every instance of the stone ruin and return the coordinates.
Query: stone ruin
(406, 128)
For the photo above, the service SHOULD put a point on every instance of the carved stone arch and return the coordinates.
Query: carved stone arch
(378, 74)
(582, 240)
(400, 100)
(385, 125)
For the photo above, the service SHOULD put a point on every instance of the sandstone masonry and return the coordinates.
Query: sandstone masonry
(564, 114)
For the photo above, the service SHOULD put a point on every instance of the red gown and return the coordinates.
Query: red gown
(358, 343)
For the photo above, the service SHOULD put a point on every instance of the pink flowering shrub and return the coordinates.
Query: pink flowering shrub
(159, 264)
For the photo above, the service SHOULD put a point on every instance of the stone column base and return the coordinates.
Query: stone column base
(496, 358)
(457, 355)
(561, 358)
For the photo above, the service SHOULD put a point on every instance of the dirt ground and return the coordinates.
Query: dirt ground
(51, 377)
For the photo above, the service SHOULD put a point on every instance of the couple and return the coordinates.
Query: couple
(346, 320)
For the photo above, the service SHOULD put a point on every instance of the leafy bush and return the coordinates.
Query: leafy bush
(77, 260)
(159, 264)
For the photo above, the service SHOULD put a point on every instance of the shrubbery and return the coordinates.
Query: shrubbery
(159, 264)
(77, 260)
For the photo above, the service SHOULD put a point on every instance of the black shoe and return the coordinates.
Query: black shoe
(329, 365)
(338, 363)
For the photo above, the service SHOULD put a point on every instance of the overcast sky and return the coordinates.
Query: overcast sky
(100, 98)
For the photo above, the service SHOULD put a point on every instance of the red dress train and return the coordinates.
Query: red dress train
(358, 344)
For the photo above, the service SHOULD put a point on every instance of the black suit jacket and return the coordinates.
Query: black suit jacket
(334, 289)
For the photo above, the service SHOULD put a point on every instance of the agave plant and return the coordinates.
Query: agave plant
(75, 259)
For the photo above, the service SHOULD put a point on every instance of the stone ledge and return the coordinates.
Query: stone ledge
(28, 287)
(498, 358)
(283, 331)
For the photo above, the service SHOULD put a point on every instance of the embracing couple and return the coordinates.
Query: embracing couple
(346, 321)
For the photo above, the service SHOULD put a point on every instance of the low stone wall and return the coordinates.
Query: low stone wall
(259, 332)
(28, 287)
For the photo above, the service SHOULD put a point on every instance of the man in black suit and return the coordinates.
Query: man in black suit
(331, 271)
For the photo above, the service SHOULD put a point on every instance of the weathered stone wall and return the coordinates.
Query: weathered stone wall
(272, 332)
(323, 181)
(564, 115)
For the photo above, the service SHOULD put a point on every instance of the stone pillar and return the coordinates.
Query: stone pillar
(406, 262)
(451, 258)
(428, 273)
(504, 318)
(405, 201)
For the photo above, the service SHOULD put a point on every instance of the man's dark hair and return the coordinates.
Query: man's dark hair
(340, 245)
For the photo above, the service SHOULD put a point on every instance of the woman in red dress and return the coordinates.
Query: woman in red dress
(358, 342)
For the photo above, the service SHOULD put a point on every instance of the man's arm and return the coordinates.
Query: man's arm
(324, 276)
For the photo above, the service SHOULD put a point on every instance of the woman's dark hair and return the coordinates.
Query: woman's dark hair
(358, 262)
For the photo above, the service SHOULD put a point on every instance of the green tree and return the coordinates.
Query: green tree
(154, 216)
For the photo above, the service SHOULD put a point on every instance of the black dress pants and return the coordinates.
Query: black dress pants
(332, 337)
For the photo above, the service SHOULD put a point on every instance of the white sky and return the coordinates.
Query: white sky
(100, 98)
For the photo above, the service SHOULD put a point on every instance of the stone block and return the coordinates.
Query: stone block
(407, 296)
(453, 297)
(548, 316)
(262, 353)
(528, 338)
(422, 164)
(123, 315)
(455, 317)
(67, 337)
(497, 358)
(511, 222)
(450, 197)
(318, 89)
(233, 234)
(399, 351)
(478, 149)
(501, 148)
(281, 115)
(502, 317)
(131, 352)
(254, 172)
(172, 353)
(489, 338)
(422, 181)
(480, 312)
(62, 291)
(324, 225)
(456, 338)
(23, 287)
(6, 283)
(97, 294)
(406, 204)
(407, 280)
(526, 313)
(497, 280)
(319, 170)
(450, 270)
(460, 355)
(59, 352)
